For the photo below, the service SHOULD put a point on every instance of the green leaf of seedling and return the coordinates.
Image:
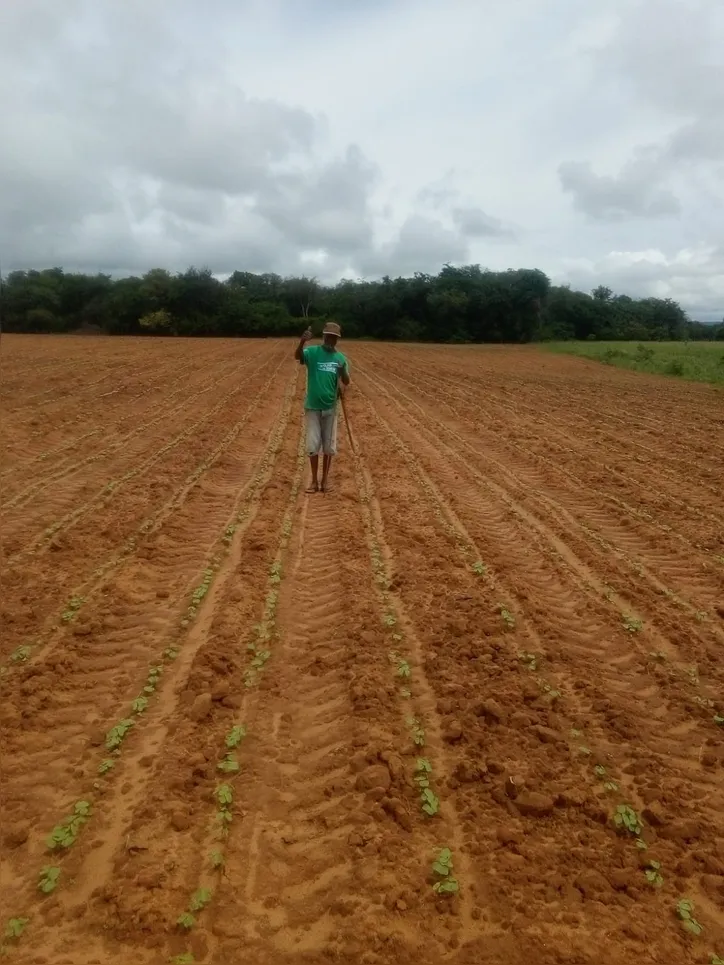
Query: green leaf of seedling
(15, 927)
(235, 736)
(200, 899)
(186, 920)
(443, 864)
(229, 765)
(49, 878)
(224, 795)
(447, 887)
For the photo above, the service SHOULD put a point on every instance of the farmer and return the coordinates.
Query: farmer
(326, 368)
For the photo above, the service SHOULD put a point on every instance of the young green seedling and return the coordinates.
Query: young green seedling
(200, 899)
(186, 959)
(217, 860)
(479, 568)
(653, 875)
(106, 765)
(508, 619)
(632, 624)
(64, 835)
(235, 736)
(20, 655)
(430, 802)
(72, 607)
(49, 878)
(626, 819)
(186, 920)
(229, 765)
(685, 912)
(529, 659)
(116, 735)
(418, 734)
(139, 705)
(443, 868)
(15, 927)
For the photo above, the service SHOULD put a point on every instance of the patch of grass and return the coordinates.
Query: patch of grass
(694, 361)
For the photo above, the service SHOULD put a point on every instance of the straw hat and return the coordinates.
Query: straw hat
(331, 328)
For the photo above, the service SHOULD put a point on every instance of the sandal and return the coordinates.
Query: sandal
(311, 489)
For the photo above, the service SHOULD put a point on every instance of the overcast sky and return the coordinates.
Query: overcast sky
(364, 137)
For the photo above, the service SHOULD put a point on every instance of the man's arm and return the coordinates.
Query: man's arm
(299, 351)
(343, 373)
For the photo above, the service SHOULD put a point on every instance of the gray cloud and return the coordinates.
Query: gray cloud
(694, 277)
(633, 193)
(422, 244)
(473, 222)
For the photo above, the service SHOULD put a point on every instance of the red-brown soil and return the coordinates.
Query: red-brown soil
(522, 562)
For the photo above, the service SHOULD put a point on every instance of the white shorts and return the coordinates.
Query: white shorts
(321, 431)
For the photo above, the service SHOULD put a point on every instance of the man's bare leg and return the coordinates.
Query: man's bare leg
(326, 463)
(314, 463)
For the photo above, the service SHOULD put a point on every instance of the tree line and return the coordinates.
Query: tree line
(459, 304)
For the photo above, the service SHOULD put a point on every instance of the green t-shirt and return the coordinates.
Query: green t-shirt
(322, 367)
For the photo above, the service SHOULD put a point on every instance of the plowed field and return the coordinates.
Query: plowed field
(240, 723)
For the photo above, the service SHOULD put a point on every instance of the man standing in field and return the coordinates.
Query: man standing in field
(326, 369)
